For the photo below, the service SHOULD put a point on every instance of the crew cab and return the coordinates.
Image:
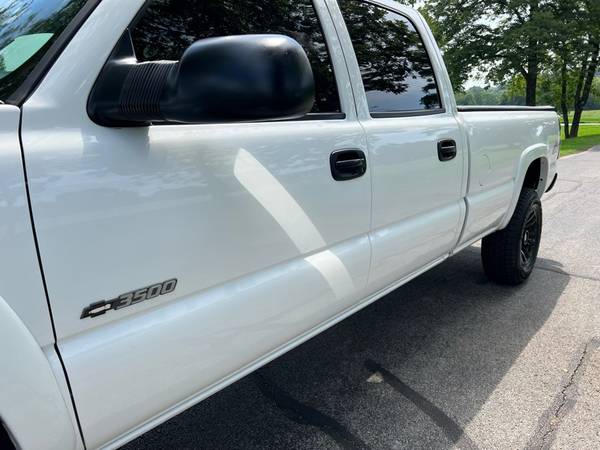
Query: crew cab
(189, 189)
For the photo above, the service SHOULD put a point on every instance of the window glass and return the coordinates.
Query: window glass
(168, 27)
(27, 29)
(396, 70)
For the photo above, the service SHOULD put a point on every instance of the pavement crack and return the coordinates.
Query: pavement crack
(562, 407)
(307, 415)
(449, 426)
(563, 403)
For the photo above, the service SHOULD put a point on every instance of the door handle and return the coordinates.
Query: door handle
(347, 164)
(446, 150)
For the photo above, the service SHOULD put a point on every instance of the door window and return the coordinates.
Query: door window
(168, 27)
(396, 70)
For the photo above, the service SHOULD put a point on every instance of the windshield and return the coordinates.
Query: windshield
(27, 29)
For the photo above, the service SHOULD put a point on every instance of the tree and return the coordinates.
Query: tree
(502, 38)
(588, 58)
(574, 50)
(476, 95)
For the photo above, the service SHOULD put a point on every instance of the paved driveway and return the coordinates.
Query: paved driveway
(449, 360)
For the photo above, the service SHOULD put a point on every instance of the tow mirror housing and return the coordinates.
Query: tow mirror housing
(224, 79)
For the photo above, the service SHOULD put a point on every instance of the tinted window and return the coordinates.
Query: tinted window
(168, 27)
(27, 29)
(396, 70)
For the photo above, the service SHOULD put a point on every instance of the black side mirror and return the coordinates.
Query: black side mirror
(226, 79)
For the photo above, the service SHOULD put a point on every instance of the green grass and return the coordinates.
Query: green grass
(589, 136)
(591, 116)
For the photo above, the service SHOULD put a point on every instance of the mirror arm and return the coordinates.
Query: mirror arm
(127, 93)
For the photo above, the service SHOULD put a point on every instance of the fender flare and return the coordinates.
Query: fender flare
(31, 405)
(530, 154)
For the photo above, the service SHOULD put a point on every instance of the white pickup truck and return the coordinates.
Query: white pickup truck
(189, 189)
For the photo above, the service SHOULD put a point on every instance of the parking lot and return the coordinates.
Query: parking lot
(446, 361)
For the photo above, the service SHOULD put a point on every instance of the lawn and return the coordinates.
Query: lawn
(589, 136)
(591, 116)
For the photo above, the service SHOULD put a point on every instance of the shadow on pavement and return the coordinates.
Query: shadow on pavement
(409, 371)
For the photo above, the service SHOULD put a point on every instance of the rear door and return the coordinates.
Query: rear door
(416, 151)
(241, 227)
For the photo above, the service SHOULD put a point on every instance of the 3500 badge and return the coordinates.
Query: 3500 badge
(129, 298)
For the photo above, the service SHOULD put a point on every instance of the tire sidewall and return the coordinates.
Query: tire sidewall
(533, 203)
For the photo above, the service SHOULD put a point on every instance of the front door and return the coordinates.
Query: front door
(226, 241)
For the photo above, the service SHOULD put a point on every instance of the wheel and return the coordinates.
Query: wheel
(509, 255)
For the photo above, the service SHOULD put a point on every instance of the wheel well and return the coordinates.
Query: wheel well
(532, 177)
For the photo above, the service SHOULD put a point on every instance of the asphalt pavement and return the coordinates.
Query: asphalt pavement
(449, 360)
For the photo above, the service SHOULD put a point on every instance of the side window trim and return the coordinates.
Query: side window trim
(311, 116)
(413, 113)
(325, 19)
(322, 116)
(408, 113)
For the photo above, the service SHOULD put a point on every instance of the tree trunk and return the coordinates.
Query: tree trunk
(583, 94)
(576, 119)
(532, 74)
(577, 106)
(563, 98)
(533, 53)
(531, 88)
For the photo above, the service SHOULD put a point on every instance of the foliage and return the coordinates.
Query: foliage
(548, 49)
(513, 93)
(479, 96)
(498, 95)
(502, 38)
(575, 50)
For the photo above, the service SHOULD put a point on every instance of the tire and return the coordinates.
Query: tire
(509, 255)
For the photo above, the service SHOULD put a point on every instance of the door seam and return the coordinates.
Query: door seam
(39, 259)
(365, 137)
